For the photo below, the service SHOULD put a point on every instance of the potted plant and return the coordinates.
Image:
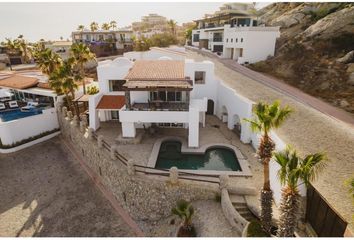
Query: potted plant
(185, 211)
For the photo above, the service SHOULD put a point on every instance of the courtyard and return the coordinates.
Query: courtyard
(45, 192)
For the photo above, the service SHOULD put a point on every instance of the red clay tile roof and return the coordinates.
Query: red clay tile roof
(111, 102)
(156, 70)
(18, 82)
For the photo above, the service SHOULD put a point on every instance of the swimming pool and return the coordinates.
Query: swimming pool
(214, 158)
(17, 114)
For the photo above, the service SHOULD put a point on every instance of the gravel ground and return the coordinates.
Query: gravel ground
(44, 192)
(309, 131)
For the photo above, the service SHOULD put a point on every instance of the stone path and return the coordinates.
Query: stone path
(45, 192)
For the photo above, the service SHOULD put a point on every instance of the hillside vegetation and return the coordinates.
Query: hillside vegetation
(316, 49)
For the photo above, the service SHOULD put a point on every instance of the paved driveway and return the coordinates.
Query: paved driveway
(45, 192)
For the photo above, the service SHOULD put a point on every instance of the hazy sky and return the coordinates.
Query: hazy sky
(53, 20)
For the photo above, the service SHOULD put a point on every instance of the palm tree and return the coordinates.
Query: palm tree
(172, 24)
(267, 117)
(94, 26)
(185, 211)
(23, 48)
(113, 24)
(48, 61)
(80, 28)
(105, 26)
(292, 170)
(81, 54)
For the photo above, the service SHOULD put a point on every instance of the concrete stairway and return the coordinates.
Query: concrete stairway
(240, 205)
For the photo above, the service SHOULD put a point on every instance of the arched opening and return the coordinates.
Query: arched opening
(237, 125)
(224, 114)
(210, 109)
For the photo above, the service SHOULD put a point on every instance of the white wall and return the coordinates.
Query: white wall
(20, 129)
(154, 54)
(94, 119)
(258, 42)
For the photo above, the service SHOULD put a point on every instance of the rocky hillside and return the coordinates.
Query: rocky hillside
(316, 49)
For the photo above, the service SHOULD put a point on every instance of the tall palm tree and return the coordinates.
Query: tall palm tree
(106, 26)
(23, 47)
(267, 117)
(48, 61)
(172, 24)
(113, 24)
(94, 26)
(81, 54)
(292, 170)
(80, 28)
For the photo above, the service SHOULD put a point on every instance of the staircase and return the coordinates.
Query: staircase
(240, 205)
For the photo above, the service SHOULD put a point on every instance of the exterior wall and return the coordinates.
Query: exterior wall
(94, 119)
(144, 197)
(20, 129)
(154, 54)
(254, 50)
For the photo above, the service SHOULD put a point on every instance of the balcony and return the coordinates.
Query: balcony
(160, 106)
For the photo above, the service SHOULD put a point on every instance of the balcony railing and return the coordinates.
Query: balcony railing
(160, 106)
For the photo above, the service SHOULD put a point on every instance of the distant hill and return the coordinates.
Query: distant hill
(316, 49)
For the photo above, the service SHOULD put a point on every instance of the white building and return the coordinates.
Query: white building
(162, 88)
(233, 33)
(105, 42)
(62, 48)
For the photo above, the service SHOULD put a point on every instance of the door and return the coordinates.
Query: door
(323, 219)
(232, 53)
(210, 108)
(115, 115)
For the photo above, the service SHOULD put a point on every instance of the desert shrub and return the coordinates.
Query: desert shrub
(255, 230)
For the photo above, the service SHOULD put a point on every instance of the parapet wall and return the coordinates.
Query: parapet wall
(144, 197)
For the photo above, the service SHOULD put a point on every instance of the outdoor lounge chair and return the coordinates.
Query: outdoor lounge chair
(13, 104)
(2, 106)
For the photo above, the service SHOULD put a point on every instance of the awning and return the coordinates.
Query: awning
(111, 102)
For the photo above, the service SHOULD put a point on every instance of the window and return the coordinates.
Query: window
(166, 96)
(227, 40)
(236, 39)
(241, 39)
(195, 37)
(232, 39)
(116, 85)
(199, 77)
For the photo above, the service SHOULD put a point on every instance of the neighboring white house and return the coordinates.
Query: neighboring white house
(233, 33)
(62, 48)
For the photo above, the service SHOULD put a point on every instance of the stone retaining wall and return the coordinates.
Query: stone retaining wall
(144, 197)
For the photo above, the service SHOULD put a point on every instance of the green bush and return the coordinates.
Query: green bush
(255, 230)
(27, 140)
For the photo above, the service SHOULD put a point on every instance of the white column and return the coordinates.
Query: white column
(128, 129)
(193, 128)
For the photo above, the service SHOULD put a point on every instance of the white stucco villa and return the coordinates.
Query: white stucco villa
(161, 88)
(233, 33)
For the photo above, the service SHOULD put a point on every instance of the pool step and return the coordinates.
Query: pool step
(240, 206)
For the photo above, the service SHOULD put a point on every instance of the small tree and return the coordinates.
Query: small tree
(185, 211)
(292, 170)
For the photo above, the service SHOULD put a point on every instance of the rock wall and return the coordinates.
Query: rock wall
(144, 197)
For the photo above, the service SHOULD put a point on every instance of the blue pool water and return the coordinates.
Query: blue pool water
(215, 158)
(17, 114)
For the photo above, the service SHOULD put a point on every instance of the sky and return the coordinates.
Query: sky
(51, 21)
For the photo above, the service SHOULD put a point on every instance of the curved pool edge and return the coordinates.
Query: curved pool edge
(245, 167)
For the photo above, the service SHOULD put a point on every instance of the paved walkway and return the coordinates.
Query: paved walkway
(45, 192)
(286, 89)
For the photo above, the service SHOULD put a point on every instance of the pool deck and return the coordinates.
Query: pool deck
(209, 135)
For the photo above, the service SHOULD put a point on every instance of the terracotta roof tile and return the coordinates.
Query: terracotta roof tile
(156, 70)
(111, 102)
